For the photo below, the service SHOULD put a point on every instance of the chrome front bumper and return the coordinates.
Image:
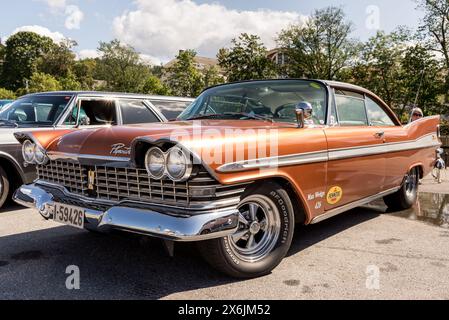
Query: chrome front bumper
(206, 225)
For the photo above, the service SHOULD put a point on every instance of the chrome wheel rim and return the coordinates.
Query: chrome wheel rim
(259, 229)
(411, 183)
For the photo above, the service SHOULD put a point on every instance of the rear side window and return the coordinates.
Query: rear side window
(136, 112)
(171, 109)
(351, 111)
(377, 115)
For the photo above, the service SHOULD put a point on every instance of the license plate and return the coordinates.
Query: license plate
(69, 215)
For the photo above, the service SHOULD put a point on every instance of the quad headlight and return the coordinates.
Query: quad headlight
(28, 151)
(33, 154)
(155, 163)
(174, 163)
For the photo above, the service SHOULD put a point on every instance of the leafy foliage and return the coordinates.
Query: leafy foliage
(320, 48)
(183, 77)
(121, 67)
(23, 49)
(246, 59)
(7, 94)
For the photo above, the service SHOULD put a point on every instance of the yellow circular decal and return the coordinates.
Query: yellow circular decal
(334, 195)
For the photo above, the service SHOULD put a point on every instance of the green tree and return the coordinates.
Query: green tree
(85, 72)
(153, 85)
(21, 54)
(212, 77)
(435, 28)
(59, 60)
(183, 78)
(7, 94)
(41, 82)
(246, 59)
(402, 74)
(321, 48)
(70, 82)
(121, 67)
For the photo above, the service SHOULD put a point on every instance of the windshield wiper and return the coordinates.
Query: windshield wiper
(9, 123)
(226, 114)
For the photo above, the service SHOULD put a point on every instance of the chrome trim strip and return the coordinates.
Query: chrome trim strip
(56, 155)
(352, 205)
(210, 225)
(427, 141)
(274, 162)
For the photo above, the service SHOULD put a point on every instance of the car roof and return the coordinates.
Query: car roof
(108, 94)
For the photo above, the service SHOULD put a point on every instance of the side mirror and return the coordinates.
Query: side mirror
(304, 111)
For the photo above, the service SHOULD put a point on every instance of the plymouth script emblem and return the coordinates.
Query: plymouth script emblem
(120, 149)
(91, 177)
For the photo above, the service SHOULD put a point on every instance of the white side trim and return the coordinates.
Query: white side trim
(427, 141)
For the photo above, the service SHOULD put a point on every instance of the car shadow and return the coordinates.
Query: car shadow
(123, 266)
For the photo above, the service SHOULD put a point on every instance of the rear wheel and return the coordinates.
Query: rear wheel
(4, 187)
(405, 197)
(265, 233)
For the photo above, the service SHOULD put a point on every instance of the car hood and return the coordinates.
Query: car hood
(117, 141)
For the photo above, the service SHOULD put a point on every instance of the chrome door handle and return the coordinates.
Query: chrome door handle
(379, 134)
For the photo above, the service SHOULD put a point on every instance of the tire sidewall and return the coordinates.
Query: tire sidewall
(411, 200)
(4, 187)
(285, 209)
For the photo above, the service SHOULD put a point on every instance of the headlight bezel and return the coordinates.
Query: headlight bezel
(147, 163)
(188, 167)
(34, 158)
(45, 158)
(25, 145)
(165, 172)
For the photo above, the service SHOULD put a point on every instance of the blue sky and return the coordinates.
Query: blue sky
(159, 28)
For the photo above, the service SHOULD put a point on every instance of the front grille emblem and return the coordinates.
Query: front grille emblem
(91, 180)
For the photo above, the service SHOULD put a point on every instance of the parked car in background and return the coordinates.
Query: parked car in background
(244, 164)
(61, 111)
(3, 103)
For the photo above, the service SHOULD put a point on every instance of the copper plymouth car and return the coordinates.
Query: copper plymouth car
(236, 171)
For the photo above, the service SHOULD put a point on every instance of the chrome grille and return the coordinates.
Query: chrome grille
(71, 175)
(119, 184)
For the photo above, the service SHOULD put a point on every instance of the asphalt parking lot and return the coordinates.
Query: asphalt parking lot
(363, 254)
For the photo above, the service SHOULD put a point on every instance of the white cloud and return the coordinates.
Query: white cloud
(88, 54)
(74, 17)
(55, 4)
(161, 28)
(154, 61)
(55, 36)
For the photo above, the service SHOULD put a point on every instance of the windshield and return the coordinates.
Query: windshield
(34, 110)
(273, 100)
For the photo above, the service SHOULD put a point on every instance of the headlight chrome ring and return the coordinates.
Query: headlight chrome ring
(155, 163)
(178, 164)
(174, 164)
(28, 151)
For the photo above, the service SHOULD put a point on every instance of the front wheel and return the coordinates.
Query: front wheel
(405, 197)
(265, 233)
(4, 187)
